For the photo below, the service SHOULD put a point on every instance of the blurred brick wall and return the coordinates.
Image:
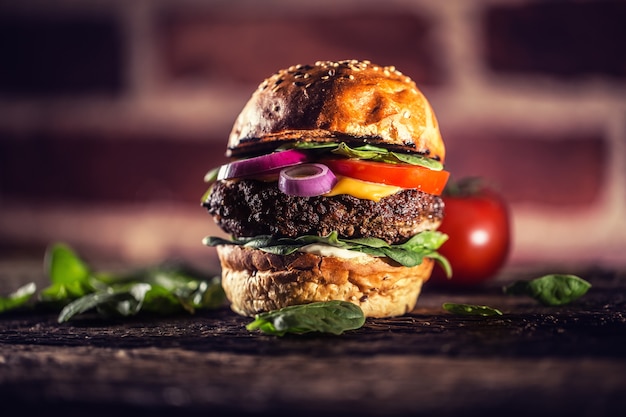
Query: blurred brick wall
(111, 111)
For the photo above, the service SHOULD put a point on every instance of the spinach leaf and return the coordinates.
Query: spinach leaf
(370, 152)
(64, 265)
(165, 289)
(370, 242)
(172, 287)
(362, 152)
(552, 289)
(410, 253)
(125, 302)
(70, 277)
(75, 288)
(19, 298)
(331, 239)
(378, 154)
(333, 317)
(471, 309)
(415, 159)
(156, 291)
(211, 176)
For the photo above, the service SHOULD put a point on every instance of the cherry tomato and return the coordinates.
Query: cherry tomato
(479, 237)
(400, 175)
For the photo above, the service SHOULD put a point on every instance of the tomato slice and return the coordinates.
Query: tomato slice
(400, 175)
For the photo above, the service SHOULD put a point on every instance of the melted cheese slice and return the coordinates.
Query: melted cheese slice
(362, 189)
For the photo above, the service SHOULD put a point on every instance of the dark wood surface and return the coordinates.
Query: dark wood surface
(533, 360)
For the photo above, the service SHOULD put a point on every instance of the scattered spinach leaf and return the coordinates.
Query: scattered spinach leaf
(552, 289)
(333, 317)
(70, 277)
(471, 309)
(75, 288)
(19, 298)
(123, 302)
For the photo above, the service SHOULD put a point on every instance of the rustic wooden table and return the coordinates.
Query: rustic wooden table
(533, 360)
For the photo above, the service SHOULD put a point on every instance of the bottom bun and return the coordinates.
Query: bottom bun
(255, 281)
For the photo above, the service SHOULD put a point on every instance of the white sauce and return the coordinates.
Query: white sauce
(327, 250)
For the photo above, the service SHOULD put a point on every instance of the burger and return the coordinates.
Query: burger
(332, 191)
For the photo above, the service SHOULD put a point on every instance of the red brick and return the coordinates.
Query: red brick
(564, 38)
(48, 56)
(208, 47)
(563, 170)
(44, 168)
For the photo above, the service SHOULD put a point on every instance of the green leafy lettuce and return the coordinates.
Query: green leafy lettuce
(410, 253)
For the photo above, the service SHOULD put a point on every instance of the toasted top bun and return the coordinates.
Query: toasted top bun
(352, 101)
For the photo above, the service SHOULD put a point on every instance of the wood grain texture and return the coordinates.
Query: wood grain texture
(533, 360)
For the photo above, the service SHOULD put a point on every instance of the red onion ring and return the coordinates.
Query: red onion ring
(261, 164)
(306, 180)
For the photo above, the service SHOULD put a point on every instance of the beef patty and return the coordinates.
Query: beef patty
(246, 208)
